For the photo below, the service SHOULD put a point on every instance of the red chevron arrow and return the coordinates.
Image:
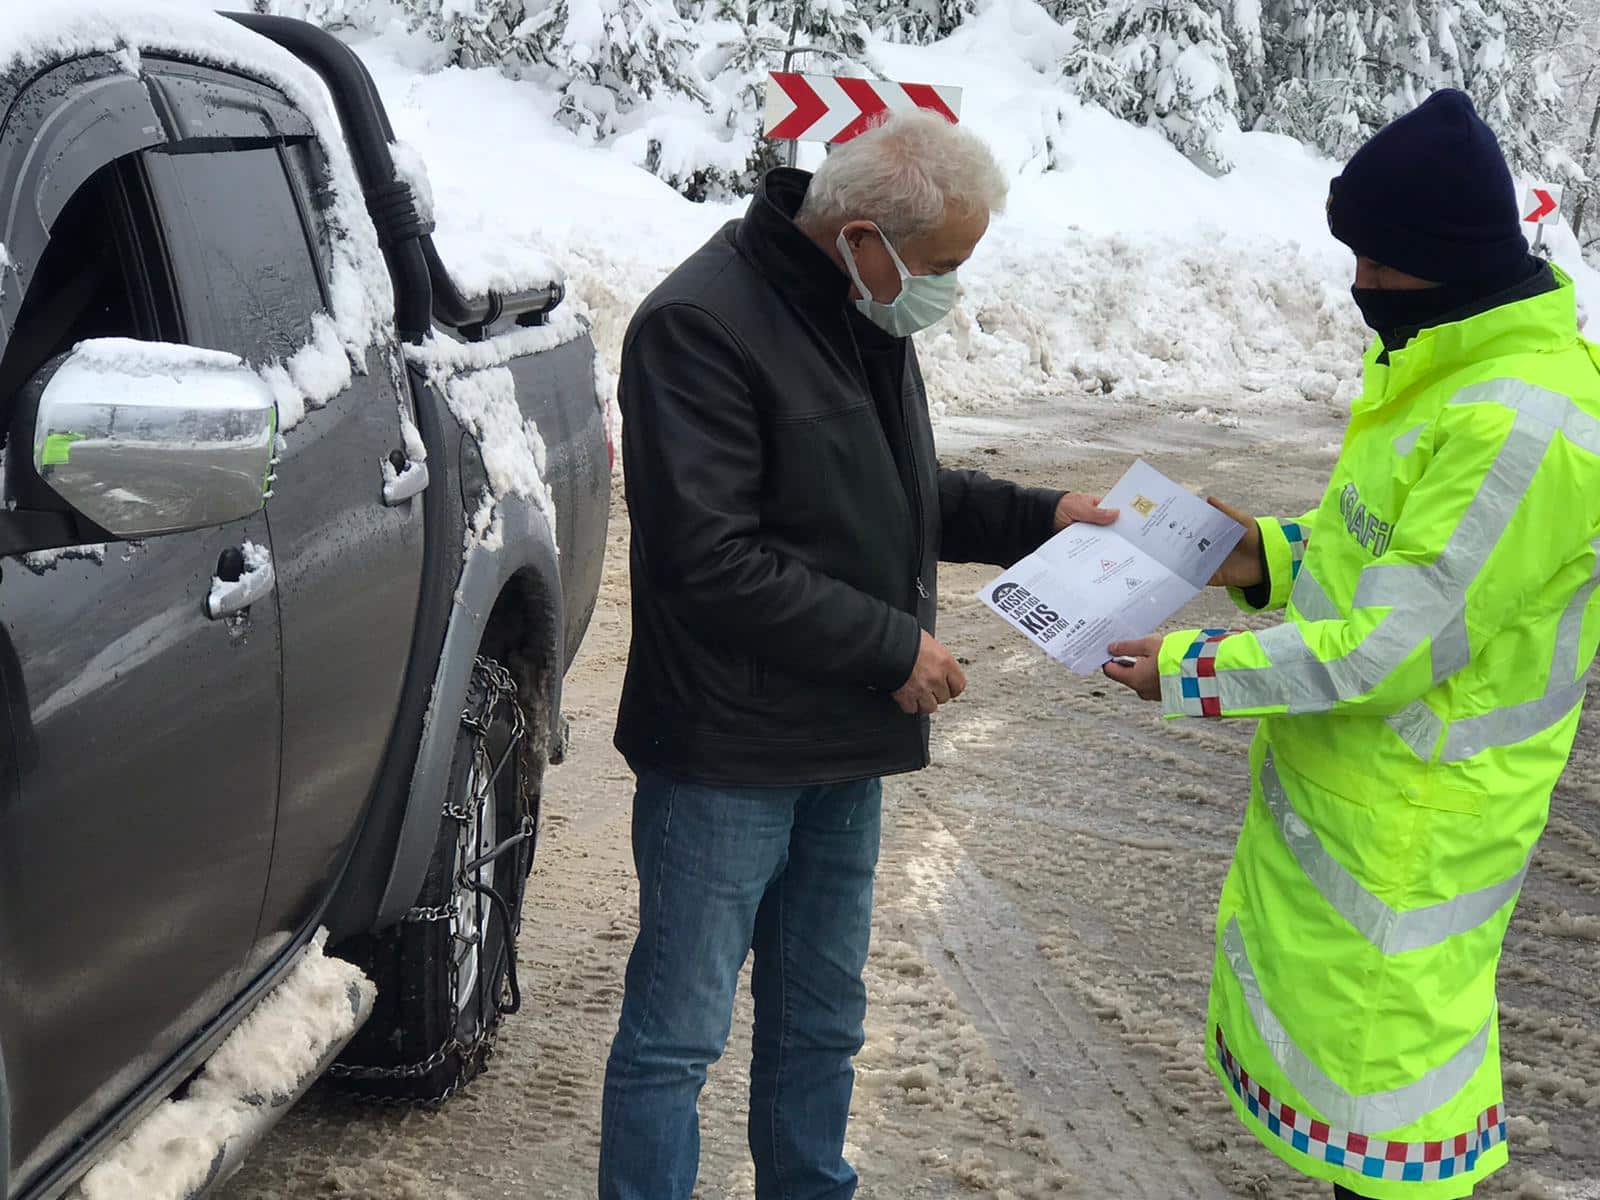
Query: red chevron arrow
(865, 97)
(809, 108)
(1547, 205)
(925, 96)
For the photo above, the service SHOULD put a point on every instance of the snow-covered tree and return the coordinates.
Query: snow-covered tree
(1578, 127)
(1584, 193)
(604, 56)
(1242, 22)
(746, 40)
(746, 43)
(614, 54)
(329, 14)
(1163, 63)
(917, 22)
(1533, 115)
(1330, 71)
(1501, 53)
(836, 26)
(1333, 74)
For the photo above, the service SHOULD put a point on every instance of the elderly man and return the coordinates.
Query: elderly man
(1419, 702)
(787, 514)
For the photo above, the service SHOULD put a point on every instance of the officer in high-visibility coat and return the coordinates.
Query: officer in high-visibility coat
(1419, 700)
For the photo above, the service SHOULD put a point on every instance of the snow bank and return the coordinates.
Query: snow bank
(1152, 318)
(519, 201)
(266, 1061)
(1120, 269)
(497, 168)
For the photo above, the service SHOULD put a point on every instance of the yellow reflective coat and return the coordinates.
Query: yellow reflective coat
(1418, 704)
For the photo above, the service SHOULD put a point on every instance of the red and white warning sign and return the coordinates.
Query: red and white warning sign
(1542, 204)
(829, 108)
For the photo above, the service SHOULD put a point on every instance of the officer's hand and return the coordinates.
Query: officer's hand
(1242, 568)
(936, 679)
(1144, 677)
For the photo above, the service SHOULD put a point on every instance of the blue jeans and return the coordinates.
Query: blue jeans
(786, 872)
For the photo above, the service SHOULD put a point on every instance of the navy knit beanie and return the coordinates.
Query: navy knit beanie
(1431, 195)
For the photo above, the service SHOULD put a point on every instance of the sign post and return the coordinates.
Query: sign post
(792, 154)
(1541, 206)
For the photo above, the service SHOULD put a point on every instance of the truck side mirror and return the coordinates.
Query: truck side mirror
(147, 438)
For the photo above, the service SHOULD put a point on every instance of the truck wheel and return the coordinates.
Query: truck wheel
(446, 974)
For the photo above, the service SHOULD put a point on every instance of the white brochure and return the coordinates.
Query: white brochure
(1092, 585)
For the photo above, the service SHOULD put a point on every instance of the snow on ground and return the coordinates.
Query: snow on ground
(1042, 939)
(1043, 926)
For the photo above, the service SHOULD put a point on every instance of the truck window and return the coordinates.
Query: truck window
(241, 260)
(309, 172)
(101, 275)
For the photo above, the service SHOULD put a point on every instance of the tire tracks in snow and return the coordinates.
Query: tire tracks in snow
(1050, 1046)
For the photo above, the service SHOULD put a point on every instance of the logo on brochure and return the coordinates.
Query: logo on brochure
(1205, 544)
(1133, 584)
(1028, 611)
(1143, 505)
(1107, 565)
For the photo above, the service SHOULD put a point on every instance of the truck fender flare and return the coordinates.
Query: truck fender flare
(528, 548)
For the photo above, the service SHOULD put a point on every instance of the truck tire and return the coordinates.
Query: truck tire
(446, 974)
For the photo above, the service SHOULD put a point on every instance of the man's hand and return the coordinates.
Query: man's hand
(936, 679)
(1144, 677)
(1075, 507)
(1242, 567)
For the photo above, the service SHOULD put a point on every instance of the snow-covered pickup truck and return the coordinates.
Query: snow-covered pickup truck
(297, 543)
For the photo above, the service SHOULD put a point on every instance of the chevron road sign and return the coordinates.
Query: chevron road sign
(1542, 204)
(828, 108)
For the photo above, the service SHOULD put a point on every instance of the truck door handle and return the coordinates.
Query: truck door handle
(244, 576)
(404, 478)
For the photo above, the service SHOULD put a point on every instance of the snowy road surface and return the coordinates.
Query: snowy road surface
(1043, 937)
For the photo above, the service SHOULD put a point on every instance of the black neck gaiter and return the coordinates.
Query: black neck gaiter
(1398, 316)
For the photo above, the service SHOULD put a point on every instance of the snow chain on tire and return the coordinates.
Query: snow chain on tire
(495, 689)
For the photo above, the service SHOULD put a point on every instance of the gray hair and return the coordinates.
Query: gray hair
(904, 175)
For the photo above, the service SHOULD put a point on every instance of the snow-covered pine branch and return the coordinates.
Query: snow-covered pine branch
(1164, 63)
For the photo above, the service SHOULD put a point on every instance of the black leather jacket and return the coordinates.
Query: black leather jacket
(782, 567)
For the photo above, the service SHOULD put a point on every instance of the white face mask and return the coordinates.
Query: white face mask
(923, 299)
